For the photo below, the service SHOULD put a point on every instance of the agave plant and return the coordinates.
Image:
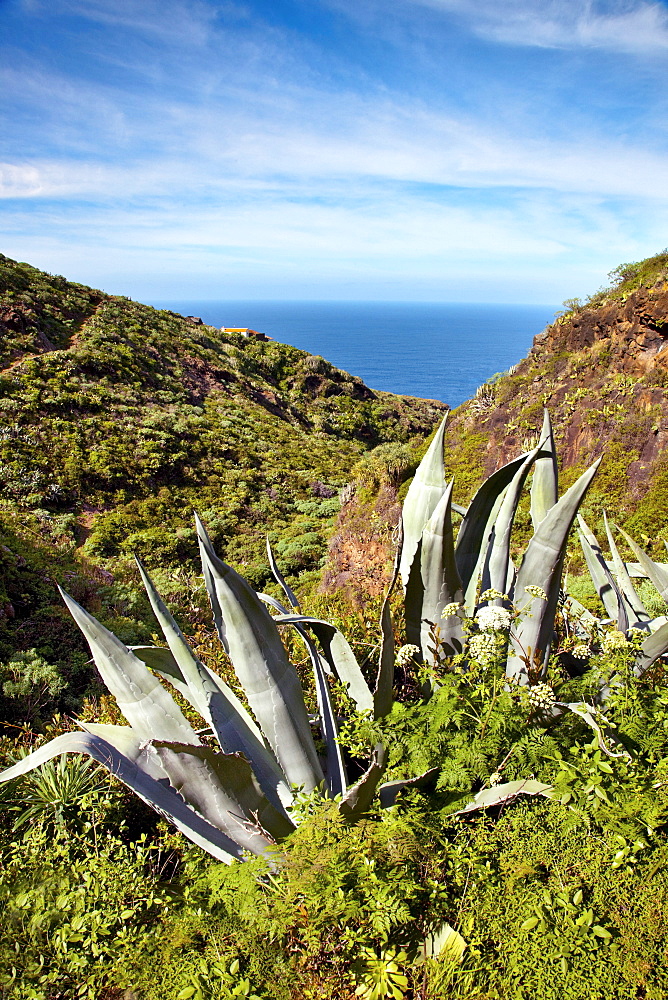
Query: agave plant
(238, 797)
(439, 571)
(619, 597)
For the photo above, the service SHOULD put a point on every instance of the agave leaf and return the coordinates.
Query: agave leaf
(544, 486)
(636, 572)
(235, 728)
(487, 798)
(337, 781)
(219, 787)
(273, 602)
(336, 773)
(654, 646)
(132, 765)
(471, 592)
(657, 573)
(382, 696)
(606, 587)
(278, 576)
(223, 789)
(436, 584)
(390, 791)
(445, 943)
(148, 707)
(639, 614)
(339, 655)
(542, 567)
(588, 714)
(261, 664)
(474, 529)
(205, 691)
(498, 559)
(424, 493)
(286, 617)
(413, 599)
(161, 660)
(359, 796)
(230, 726)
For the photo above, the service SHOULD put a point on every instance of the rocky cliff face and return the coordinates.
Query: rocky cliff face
(602, 372)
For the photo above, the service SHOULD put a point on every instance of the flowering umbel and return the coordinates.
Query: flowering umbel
(541, 696)
(492, 619)
(406, 654)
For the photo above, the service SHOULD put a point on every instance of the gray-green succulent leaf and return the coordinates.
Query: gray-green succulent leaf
(384, 690)
(654, 646)
(545, 482)
(497, 795)
(359, 796)
(434, 582)
(609, 593)
(260, 661)
(234, 727)
(657, 573)
(145, 703)
(542, 567)
(278, 576)
(425, 491)
(475, 528)
(129, 758)
(638, 614)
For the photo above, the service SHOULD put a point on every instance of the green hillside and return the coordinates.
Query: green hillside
(117, 420)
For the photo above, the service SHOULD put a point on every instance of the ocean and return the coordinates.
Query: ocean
(434, 350)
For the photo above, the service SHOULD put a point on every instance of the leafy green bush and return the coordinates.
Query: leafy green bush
(29, 686)
(71, 916)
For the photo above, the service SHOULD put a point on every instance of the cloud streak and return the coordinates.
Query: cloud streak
(628, 27)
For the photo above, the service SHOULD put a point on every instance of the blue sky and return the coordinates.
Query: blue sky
(439, 150)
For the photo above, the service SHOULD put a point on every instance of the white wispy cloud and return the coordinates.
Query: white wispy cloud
(200, 151)
(625, 26)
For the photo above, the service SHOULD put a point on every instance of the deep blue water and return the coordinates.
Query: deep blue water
(434, 350)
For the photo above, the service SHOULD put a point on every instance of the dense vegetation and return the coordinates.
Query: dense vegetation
(565, 897)
(517, 846)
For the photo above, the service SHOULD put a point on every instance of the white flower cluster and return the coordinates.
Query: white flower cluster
(541, 696)
(536, 592)
(582, 651)
(451, 609)
(493, 595)
(485, 647)
(407, 653)
(494, 779)
(614, 640)
(494, 619)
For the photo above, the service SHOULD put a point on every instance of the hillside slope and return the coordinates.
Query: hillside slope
(117, 420)
(601, 369)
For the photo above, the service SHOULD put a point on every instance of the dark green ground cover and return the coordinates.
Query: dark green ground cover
(561, 898)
